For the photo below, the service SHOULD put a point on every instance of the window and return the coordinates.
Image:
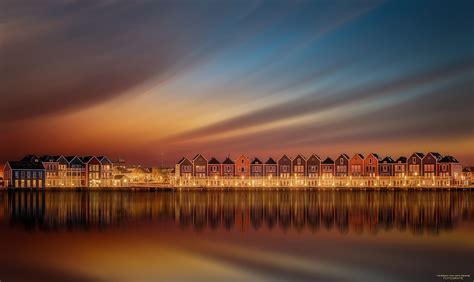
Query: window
(28, 174)
(341, 161)
(298, 162)
(17, 174)
(413, 160)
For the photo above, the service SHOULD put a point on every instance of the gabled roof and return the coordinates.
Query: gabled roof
(213, 161)
(228, 161)
(315, 156)
(25, 165)
(87, 159)
(256, 161)
(182, 160)
(270, 161)
(285, 156)
(344, 156)
(449, 159)
(420, 155)
(375, 155)
(402, 159)
(300, 155)
(388, 160)
(70, 158)
(197, 156)
(359, 155)
(436, 155)
(328, 160)
(103, 159)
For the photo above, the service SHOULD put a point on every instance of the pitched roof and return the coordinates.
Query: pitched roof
(316, 156)
(228, 161)
(449, 159)
(376, 156)
(285, 156)
(213, 161)
(30, 158)
(69, 158)
(256, 161)
(183, 159)
(344, 156)
(359, 155)
(300, 155)
(47, 158)
(328, 160)
(197, 156)
(25, 165)
(420, 155)
(270, 161)
(436, 155)
(87, 159)
(402, 159)
(388, 159)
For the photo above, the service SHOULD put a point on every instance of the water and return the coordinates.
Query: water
(236, 236)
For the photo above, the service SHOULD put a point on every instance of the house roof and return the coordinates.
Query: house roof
(328, 160)
(25, 165)
(316, 156)
(402, 159)
(388, 160)
(69, 158)
(376, 156)
(420, 155)
(270, 161)
(86, 159)
(198, 155)
(213, 161)
(228, 161)
(30, 158)
(449, 159)
(344, 156)
(436, 155)
(285, 156)
(300, 155)
(256, 161)
(360, 155)
(183, 159)
(47, 158)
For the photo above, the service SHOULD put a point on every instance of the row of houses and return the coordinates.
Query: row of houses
(372, 165)
(61, 171)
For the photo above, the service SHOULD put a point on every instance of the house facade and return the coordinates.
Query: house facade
(284, 167)
(299, 166)
(270, 168)
(242, 166)
(228, 168)
(313, 165)
(184, 168)
(214, 167)
(24, 174)
(414, 163)
(356, 165)
(371, 165)
(386, 166)
(327, 168)
(199, 166)
(430, 164)
(400, 167)
(342, 165)
(256, 167)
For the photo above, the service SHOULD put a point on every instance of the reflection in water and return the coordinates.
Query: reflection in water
(357, 212)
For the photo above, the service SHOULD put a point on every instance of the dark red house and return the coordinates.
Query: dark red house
(270, 168)
(214, 167)
(313, 166)
(299, 166)
(284, 167)
(386, 167)
(256, 167)
(342, 165)
(430, 164)
(414, 164)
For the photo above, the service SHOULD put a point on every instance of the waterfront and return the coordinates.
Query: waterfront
(238, 236)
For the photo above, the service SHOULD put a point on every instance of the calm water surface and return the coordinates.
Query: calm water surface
(236, 236)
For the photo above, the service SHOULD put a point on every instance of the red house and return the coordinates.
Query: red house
(228, 168)
(214, 167)
(414, 164)
(184, 168)
(270, 168)
(371, 165)
(284, 167)
(342, 165)
(299, 166)
(313, 166)
(256, 167)
(449, 166)
(242, 166)
(386, 167)
(400, 167)
(199, 166)
(327, 167)
(92, 165)
(430, 164)
(356, 165)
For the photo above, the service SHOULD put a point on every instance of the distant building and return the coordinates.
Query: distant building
(270, 168)
(313, 165)
(199, 166)
(256, 167)
(24, 174)
(386, 167)
(214, 167)
(371, 165)
(299, 166)
(400, 167)
(414, 163)
(228, 168)
(342, 165)
(327, 167)
(284, 167)
(356, 165)
(242, 166)
(430, 164)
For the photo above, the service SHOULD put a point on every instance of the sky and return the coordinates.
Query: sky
(152, 81)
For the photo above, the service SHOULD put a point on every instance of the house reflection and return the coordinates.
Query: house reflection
(347, 212)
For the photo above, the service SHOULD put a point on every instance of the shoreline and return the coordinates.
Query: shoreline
(240, 189)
